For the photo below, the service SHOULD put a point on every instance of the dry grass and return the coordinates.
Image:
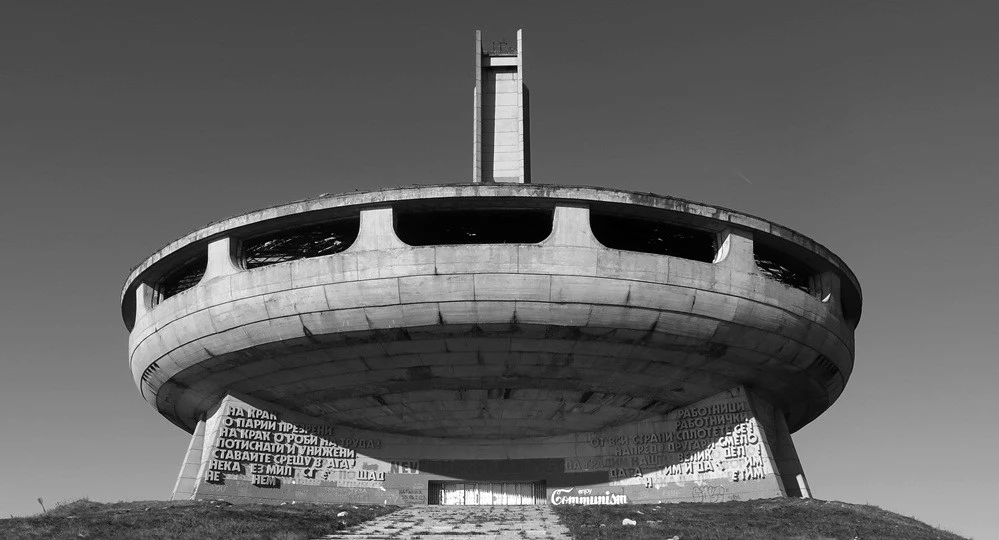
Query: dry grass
(188, 520)
(770, 519)
(767, 519)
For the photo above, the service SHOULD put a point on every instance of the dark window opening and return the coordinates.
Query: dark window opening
(473, 226)
(780, 267)
(650, 236)
(182, 278)
(300, 243)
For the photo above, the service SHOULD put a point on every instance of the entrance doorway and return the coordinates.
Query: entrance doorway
(487, 493)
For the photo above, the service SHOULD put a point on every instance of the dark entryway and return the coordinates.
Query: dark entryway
(487, 493)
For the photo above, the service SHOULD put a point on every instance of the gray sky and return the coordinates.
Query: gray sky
(870, 127)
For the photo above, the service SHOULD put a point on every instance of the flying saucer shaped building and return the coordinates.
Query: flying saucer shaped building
(496, 342)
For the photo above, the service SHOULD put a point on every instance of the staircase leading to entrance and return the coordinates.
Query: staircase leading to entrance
(451, 522)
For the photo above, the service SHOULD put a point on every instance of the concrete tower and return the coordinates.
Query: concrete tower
(502, 125)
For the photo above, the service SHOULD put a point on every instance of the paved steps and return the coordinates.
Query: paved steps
(451, 522)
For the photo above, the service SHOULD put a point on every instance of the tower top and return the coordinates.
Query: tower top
(501, 151)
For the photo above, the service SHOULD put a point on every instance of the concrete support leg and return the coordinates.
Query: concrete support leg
(187, 480)
(714, 450)
(253, 451)
(788, 466)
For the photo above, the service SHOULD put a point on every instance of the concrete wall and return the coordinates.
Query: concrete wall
(503, 158)
(711, 451)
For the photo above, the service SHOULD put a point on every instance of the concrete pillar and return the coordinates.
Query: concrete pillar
(377, 231)
(221, 259)
(826, 287)
(501, 130)
(144, 300)
(477, 112)
(571, 227)
(187, 480)
(803, 487)
(792, 474)
(735, 251)
(524, 121)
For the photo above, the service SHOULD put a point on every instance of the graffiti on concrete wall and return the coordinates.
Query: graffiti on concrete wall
(586, 497)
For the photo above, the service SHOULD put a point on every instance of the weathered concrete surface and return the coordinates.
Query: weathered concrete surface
(450, 522)
(501, 128)
(564, 366)
(715, 450)
(496, 339)
(676, 209)
(187, 480)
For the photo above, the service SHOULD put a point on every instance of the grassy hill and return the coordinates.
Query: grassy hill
(767, 519)
(764, 519)
(188, 520)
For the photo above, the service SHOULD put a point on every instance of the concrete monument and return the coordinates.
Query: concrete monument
(497, 342)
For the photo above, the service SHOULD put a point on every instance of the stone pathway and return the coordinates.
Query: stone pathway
(450, 522)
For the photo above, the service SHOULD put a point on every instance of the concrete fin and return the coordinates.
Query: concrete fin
(187, 480)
